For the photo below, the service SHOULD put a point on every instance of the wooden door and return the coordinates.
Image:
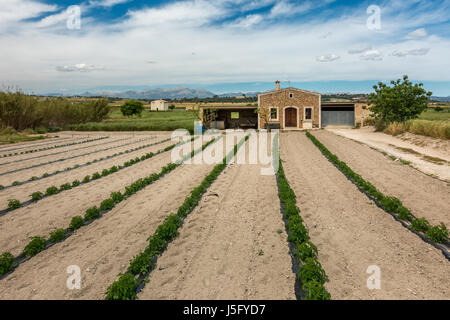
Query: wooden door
(291, 117)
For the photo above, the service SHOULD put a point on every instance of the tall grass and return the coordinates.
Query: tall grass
(435, 129)
(21, 111)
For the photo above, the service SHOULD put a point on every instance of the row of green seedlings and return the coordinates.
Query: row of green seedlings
(52, 147)
(128, 284)
(46, 175)
(38, 244)
(310, 275)
(14, 204)
(75, 156)
(392, 205)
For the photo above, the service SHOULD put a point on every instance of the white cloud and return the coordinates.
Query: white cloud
(418, 33)
(247, 21)
(371, 55)
(80, 67)
(327, 58)
(413, 52)
(13, 11)
(107, 3)
(359, 50)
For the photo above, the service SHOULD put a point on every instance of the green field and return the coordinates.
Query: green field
(149, 121)
(17, 137)
(431, 114)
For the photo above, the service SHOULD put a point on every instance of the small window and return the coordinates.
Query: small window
(235, 115)
(308, 114)
(291, 95)
(273, 114)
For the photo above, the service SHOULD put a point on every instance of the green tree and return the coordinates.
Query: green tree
(400, 102)
(131, 108)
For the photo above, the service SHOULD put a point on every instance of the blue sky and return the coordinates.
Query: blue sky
(223, 46)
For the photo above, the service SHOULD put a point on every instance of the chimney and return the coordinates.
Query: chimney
(277, 85)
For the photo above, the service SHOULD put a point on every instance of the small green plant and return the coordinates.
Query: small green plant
(107, 204)
(36, 245)
(6, 263)
(312, 271)
(96, 176)
(315, 291)
(438, 233)
(76, 183)
(16, 183)
(141, 264)
(36, 196)
(261, 252)
(279, 231)
(65, 186)
(105, 172)
(404, 214)
(86, 179)
(57, 235)
(2, 187)
(420, 224)
(91, 214)
(76, 223)
(34, 178)
(117, 197)
(123, 289)
(51, 191)
(45, 175)
(13, 204)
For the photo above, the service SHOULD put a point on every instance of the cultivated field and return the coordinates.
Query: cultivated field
(140, 226)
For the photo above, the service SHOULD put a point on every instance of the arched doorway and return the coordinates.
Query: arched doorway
(290, 117)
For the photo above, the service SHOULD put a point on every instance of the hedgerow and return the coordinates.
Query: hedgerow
(36, 245)
(311, 275)
(391, 205)
(144, 262)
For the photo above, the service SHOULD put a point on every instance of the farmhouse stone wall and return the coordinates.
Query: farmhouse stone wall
(281, 99)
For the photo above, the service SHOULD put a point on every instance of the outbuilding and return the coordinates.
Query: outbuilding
(159, 105)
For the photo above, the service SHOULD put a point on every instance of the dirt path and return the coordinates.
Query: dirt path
(103, 249)
(406, 149)
(9, 178)
(22, 192)
(425, 196)
(352, 234)
(229, 247)
(41, 218)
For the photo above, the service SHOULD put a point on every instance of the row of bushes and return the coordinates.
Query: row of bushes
(21, 111)
(14, 204)
(38, 244)
(311, 274)
(125, 288)
(392, 205)
(52, 147)
(46, 175)
(435, 129)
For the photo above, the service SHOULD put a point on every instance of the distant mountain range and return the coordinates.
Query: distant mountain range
(177, 93)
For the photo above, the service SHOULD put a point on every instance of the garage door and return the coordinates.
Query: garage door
(338, 116)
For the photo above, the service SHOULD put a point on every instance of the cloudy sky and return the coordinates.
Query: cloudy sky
(228, 45)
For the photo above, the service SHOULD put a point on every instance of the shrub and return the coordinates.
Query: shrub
(91, 214)
(315, 291)
(438, 233)
(36, 245)
(107, 204)
(420, 224)
(117, 197)
(36, 196)
(306, 250)
(51, 191)
(141, 264)
(16, 183)
(123, 289)
(57, 235)
(6, 263)
(131, 108)
(76, 183)
(312, 271)
(13, 204)
(76, 223)
(86, 179)
(105, 172)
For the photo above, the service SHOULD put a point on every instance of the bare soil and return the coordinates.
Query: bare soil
(351, 233)
(425, 196)
(228, 247)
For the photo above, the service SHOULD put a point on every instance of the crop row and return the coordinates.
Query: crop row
(310, 274)
(46, 175)
(61, 152)
(37, 244)
(432, 234)
(36, 196)
(73, 157)
(128, 284)
(52, 147)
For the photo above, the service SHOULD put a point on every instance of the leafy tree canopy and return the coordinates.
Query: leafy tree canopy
(400, 102)
(131, 108)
